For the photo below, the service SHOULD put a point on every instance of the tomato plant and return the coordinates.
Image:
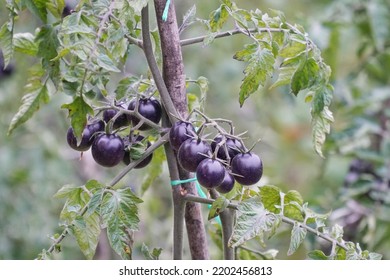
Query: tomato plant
(82, 53)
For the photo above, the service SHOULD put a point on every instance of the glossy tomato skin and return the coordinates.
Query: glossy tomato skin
(127, 157)
(121, 121)
(227, 184)
(247, 168)
(210, 173)
(87, 137)
(192, 152)
(233, 146)
(150, 108)
(108, 150)
(180, 131)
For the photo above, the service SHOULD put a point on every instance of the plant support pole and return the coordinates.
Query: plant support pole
(174, 78)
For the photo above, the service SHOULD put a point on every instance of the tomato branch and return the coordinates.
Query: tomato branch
(284, 219)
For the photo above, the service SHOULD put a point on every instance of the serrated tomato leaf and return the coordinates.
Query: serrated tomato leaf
(259, 68)
(119, 213)
(36, 94)
(78, 113)
(253, 220)
(86, 230)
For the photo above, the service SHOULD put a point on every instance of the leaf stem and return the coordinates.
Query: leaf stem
(195, 40)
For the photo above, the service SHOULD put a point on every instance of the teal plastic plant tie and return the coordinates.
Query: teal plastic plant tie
(198, 188)
(178, 182)
(166, 9)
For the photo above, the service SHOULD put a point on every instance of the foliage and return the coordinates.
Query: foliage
(83, 55)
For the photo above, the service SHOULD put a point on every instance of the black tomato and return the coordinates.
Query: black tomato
(87, 137)
(133, 153)
(180, 131)
(150, 108)
(108, 150)
(227, 184)
(210, 173)
(247, 168)
(121, 121)
(191, 153)
(233, 146)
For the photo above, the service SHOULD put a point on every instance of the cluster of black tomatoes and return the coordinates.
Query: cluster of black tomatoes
(217, 164)
(109, 149)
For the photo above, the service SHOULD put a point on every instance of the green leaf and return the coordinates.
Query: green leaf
(76, 199)
(56, 7)
(105, 62)
(154, 169)
(374, 256)
(298, 234)
(38, 8)
(253, 220)
(25, 43)
(285, 76)
(321, 126)
(65, 191)
(48, 44)
(317, 255)
(124, 86)
(86, 230)
(78, 112)
(154, 255)
(218, 206)
(270, 197)
(119, 213)
(293, 49)
(257, 255)
(95, 202)
(260, 67)
(340, 254)
(6, 44)
(305, 76)
(36, 93)
(97, 189)
(218, 18)
(293, 205)
(246, 53)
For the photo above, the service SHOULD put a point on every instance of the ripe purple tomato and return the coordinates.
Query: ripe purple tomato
(247, 168)
(227, 184)
(87, 137)
(191, 153)
(150, 108)
(108, 150)
(180, 131)
(233, 146)
(210, 173)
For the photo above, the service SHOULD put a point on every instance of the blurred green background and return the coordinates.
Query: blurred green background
(35, 161)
